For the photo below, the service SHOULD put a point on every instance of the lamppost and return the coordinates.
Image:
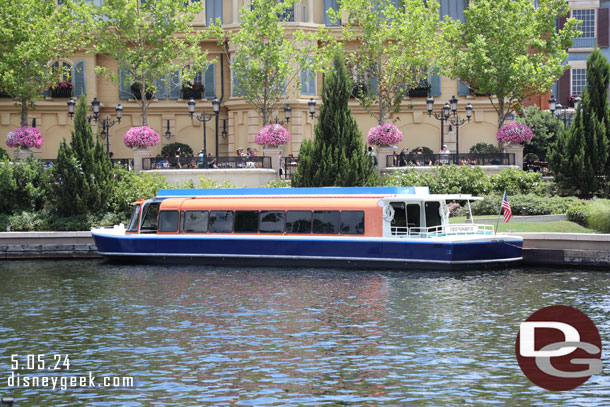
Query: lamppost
(562, 112)
(106, 123)
(204, 118)
(168, 133)
(312, 108)
(287, 114)
(449, 114)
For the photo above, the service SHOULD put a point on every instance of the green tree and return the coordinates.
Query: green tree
(398, 47)
(336, 157)
(82, 170)
(545, 126)
(33, 34)
(580, 154)
(265, 60)
(153, 42)
(511, 50)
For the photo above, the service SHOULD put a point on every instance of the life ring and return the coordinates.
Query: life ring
(388, 213)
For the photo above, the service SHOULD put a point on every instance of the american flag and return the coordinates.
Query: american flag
(508, 213)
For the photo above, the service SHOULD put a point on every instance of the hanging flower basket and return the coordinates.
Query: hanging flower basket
(272, 135)
(24, 137)
(516, 133)
(142, 136)
(385, 135)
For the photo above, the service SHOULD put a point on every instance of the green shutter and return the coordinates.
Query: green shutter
(124, 86)
(435, 85)
(161, 88)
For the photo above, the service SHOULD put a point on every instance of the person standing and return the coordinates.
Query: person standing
(444, 155)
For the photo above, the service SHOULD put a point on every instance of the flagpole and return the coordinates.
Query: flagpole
(499, 213)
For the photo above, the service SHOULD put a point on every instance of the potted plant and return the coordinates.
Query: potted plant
(62, 90)
(272, 135)
(420, 91)
(572, 99)
(23, 139)
(514, 133)
(141, 136)
(194, 91)
(385, 135)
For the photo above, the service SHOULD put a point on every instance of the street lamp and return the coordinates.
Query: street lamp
(449, 114)
(562, 112)
(168, 133)
(287, 114)
(204, 118)
(312, 108)
(106, 123)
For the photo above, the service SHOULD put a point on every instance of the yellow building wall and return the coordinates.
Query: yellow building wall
(242, 122)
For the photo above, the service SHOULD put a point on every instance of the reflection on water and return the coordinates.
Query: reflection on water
(193, 336)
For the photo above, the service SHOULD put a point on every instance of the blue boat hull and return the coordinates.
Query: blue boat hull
(354, 252)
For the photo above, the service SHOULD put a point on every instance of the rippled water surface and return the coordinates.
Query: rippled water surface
(198, 336)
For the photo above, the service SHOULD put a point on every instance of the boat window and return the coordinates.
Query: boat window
(246, 222)
(352, 222)
(400, 216)
(272, 221)
(326, 222)
(195, 222)
(298, 222)
(433, 214)
(413, 212)
(168, 221)
(150, 213)
(133, 223)
(221, 221)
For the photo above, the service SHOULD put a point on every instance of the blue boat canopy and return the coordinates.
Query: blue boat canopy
(330, 191)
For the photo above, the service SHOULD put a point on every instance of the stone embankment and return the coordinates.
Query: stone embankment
(573, 249)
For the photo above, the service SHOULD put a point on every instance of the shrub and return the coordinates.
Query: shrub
(524, 205)
(24, 186)
(3, 154)
(598, 215)
(425, 150)
(172, 149)
(577, 212)
(515, 181)
(484, 148)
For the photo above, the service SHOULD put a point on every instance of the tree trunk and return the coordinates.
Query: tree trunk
(24, 112)
(144, 112)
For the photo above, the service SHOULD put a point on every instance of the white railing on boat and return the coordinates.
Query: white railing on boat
(447, 230)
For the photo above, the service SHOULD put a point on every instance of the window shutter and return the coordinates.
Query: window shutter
(463, 89)
(78, 75)
(213, 10)
(174, 85)
(461, 6)
(372, 86)
(308, 82)
(124, 86)
(563, 89)
(444, 9)
(161, 88)
(435, 85)
(209, 82)
(603, 19)
(330, 4)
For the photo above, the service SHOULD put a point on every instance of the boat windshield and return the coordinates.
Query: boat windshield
(135, 217)
(150, 214)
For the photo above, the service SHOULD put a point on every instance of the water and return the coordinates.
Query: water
(198, 336)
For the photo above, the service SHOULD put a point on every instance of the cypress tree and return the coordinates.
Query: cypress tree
(336, 157)
(83, 170)
(579, 157)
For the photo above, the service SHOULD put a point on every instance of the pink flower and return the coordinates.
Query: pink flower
(272, 135)
(141, 137)
(514, 133)
(385, 135)
(24, 137)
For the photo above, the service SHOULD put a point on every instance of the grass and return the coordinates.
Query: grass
(559, 226)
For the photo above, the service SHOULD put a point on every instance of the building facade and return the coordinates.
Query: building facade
(238, 122)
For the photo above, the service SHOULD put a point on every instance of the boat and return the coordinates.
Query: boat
(369, 227)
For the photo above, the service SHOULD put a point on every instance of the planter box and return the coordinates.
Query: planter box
(418, 92)
(192, 93)
(60, 93)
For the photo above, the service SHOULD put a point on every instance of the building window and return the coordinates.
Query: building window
(587, 18)
(308, 81)
(579, 81)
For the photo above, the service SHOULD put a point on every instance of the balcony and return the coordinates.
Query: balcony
(584, 43)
